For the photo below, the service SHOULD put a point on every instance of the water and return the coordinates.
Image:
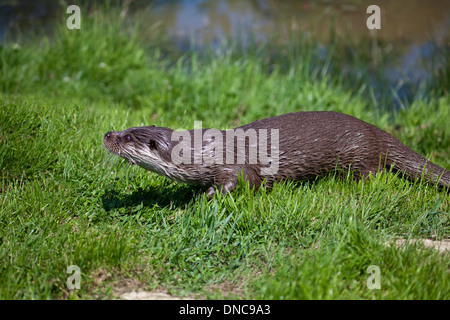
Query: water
(411, 21)
(402, 21)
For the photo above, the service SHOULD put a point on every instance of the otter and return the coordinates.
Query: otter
(302, 145)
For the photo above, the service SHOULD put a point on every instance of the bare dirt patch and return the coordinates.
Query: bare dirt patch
(132, 290)
(129, 288)
(226, 289)
(442, 246)
(150, 295)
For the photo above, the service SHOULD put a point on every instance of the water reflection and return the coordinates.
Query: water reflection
(206, 20)
(410, 21)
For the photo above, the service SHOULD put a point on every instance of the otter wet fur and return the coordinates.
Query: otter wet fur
(310, 144)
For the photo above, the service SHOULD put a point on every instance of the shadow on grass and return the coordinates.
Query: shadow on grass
(171, 197)
(167, 197)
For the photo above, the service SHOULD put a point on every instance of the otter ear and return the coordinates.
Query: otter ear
(152, 145)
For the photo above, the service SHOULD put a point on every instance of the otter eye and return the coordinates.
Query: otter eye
(127, 138)
(152, 144)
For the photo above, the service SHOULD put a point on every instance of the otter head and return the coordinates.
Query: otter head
(148, 147)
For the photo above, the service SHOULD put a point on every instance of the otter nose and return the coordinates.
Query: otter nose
(108, 135)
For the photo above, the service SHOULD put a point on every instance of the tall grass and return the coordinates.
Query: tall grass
(65, 201)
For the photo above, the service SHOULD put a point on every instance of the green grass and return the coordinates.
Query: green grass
(65, 201)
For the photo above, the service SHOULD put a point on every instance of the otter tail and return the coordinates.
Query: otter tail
(416, 167)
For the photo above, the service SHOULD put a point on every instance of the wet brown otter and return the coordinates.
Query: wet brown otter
(301, 145)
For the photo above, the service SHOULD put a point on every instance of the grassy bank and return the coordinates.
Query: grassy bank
(65, 201)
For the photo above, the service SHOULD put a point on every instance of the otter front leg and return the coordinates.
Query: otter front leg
(224, 188)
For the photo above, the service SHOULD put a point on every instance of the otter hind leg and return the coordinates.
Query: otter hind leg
(362, 173)
(225, 188)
